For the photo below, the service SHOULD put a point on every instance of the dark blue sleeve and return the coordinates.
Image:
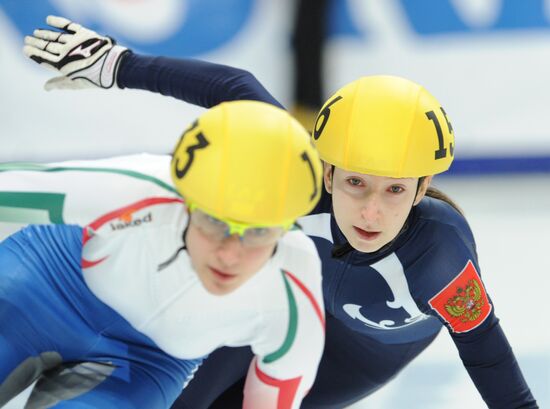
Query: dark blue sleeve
(491, 363)
(447, 265)
(197, 82)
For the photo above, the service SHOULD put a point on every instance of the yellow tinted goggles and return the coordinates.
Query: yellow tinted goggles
(250, 235)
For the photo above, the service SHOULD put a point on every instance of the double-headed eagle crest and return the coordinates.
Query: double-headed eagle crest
(467, 303)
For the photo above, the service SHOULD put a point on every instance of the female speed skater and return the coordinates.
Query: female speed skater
(120, 312)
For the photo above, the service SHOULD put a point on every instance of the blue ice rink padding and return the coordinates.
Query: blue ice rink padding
(499, 165)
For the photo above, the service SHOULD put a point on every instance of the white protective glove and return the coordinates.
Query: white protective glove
(85, 58)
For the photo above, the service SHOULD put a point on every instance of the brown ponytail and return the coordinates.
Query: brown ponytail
(438, 194)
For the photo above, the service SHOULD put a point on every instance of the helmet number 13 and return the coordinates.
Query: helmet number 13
(441, 152)
(306, 158)
(202, 143)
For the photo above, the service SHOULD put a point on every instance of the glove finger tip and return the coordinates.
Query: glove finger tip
(50, 84)
(30, 40)
(28, 50)
(57, 21)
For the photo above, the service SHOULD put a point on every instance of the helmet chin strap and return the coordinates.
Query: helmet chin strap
(173, 258)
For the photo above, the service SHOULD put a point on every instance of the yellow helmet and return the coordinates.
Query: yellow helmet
(385, 126)
(250, 162)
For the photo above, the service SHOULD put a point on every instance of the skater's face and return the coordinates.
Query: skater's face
(371, 210)
(224, 262)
